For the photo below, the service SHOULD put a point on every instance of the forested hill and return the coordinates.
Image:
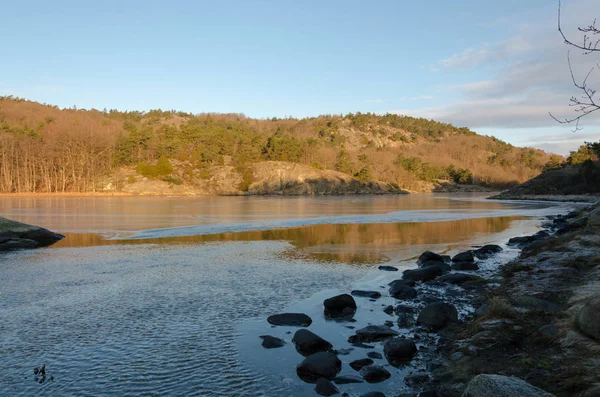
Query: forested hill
(46, 149)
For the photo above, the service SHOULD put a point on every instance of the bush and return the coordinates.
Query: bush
(162, 168)
(131, 179)
(172, 180)
(247, 178)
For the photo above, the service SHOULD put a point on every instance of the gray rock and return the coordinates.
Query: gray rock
(17, 235)
(458, 278)
(373, 394)
(399, 351)
(271, 342)
(13, 244)
(374, 373)
(466, 256)
(346, 379)
(456, 356)
(308, 342)
(342, 305)
(502, 386)
(429, 256)
(487, 250)
(465, 266)
(374, 355)
(588, 318)
(416, 378)
(389, 309)
(402, 291)
(290, 319)
(594, 218)
(442, 265)
(358, 364)
(548, 331)
(319, 365)
(373, 333)
(409, 283)
(423, 274)
(324, 387)
(531, 302)
(366, 294)
(521, 240)
(388, 268)
(436, 316)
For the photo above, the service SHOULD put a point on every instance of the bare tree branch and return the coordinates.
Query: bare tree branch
(589, 44)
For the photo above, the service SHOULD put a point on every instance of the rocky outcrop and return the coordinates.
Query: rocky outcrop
(502, 386)
(16, 235)
(588, 318)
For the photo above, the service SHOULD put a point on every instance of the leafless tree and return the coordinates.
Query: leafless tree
(587, 101)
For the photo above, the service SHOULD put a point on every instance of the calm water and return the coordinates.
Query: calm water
(167, 296)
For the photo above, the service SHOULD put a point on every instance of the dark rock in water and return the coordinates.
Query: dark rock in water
(446, 258)
(541, 235)
(290, 319)
(502, 386)
(17, 244)
(373, 394)
(308, 342)
(324, 387)
(466, 256)
(399, 351)
(429, 256)
(388, 268)
(531, 302)
(358, 364)
(402, 309)
(271, 342)
(459, 278)
(428, 393)
(487, 250)
(389, 309)
(406, 320)
(342, 352)
(374, 373)
(465, 266)
(442, 265)
(373, 333)
(366, 294)
(374, 355)
(423, 274)
(409, 283)
(416, 378)
(340, 306)
(588, 318)
(437, 315)
(402, 291)
(521, 240)
(358, 343)
(16, 235)
(43, 237)
(346, 379)
(319, 365)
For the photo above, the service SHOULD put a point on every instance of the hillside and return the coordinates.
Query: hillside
(47, 149)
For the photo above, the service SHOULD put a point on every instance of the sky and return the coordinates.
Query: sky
(497, 67)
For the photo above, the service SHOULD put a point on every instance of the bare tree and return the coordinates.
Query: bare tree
(587, 101)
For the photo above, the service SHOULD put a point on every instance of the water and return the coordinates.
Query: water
(167, 296)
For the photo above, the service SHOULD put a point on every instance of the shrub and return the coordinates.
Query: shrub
(162, 168)
(131, 179)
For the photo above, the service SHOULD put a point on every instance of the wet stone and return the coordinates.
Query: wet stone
(374, 373)
(366, 294)
(324, 387)
(270, 342)
(290, 319)
(358, 364)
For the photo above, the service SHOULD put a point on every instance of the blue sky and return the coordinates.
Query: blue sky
(496, 67)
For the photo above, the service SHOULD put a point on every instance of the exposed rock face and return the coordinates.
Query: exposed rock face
(588, 318)
(436, 316)
(308, 342)
(502, 386)
(290, 319)
(16, 235)
(319, 365)
(283, 178)
(342, 305)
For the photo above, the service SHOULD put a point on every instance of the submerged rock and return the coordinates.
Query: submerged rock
(502, 386)
(374, 373)
(319, 365)
(588, 318)
(308, 342)
(373, 333)
(388, 268)
(324, 387)
(399, 351)
(374, 355)
(358, 364)
(271, 342)
(290, 319)
(437, 315)
(366, 294)
(340, 306)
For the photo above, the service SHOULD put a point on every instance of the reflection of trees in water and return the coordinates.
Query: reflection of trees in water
(355, 243)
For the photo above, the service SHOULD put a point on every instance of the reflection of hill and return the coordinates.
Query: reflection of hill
(345, 243)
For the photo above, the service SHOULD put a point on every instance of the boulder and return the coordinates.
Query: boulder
(465, 266)
(324, 387)
(588, 318)
(388, 268)
(442, 265)
(423, 274)
(399, 351)
(358, 364)
(16, 235)
(436, 316)
(487, 250)
(366, 294)
(373, 333)
(374, 355)
(346, 379)
(416, 379)
(374, 373)
(402, 291)
(502, 386)
(11, 244)
(466, 256)
(340, 306)
(428, 256)
(458, 278)
(290, 319)
(521, 240)
(389, 309)
(271, 342)
(319, 365)
(308, 343)
(410, 283)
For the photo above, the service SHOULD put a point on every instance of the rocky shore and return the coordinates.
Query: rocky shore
(16, 235)
(466, 325)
